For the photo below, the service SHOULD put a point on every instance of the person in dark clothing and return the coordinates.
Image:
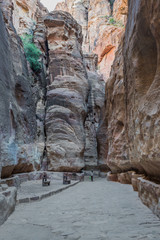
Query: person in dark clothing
(92, 175)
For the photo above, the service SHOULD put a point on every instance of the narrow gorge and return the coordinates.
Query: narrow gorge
(80, 92)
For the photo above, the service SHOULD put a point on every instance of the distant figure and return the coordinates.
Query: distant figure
(44, 180)
(66, 179)
(82, 176)
(91, 175)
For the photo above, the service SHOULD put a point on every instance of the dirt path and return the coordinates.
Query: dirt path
(97, 210)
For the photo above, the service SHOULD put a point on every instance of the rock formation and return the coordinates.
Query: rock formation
(18, 120)
(35, 111)
(141, 69)
(26, 14)
(70, 99)
(79, 11)
(132, 96)
(94, 114)
(57, 119)
(67, 94)
(111, 133)
(102, 27)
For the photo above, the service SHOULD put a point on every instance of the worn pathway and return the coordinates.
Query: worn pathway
(97, 210)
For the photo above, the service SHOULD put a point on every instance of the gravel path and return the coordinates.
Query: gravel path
(98, 210)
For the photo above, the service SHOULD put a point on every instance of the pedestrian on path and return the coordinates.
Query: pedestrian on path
(91, 175)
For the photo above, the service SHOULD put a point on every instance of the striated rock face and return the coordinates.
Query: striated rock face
(110, 27)
(73, 105)
(18, 119)
(141, 68)
(79, 11)
(132, 95)
(107, 44)
(25, 15)
(102, 27)
(49, 119)
(95, 105)
(67, 94)
(120, 10)
(111, 133)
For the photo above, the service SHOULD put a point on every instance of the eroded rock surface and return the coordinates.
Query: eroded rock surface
(141, 57)
(18, 120)
(67, 94)
(102, 27)
(111, 133)
(95, 105)
(25, 15)
(132, 95)
(75, 97)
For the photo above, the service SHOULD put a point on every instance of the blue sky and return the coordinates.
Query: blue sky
(50, 4)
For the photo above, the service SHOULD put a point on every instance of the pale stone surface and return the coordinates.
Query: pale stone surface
(34, 189)
(92, 210)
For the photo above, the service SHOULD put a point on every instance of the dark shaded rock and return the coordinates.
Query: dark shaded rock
(17, 119)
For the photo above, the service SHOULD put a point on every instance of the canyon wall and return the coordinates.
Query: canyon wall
(131, 119)
(18, 119)
(26, 14)
(49, 118)
(102, 26)
(72, 104)
(141, 69)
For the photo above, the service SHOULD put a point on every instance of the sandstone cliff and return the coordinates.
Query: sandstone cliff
(50, 117)
(70, 92)
(132, 95)
(102, 26)
(18, 121)
(26, 14)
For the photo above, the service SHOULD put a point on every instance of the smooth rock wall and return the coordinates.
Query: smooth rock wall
(18, 119)
(132, 95)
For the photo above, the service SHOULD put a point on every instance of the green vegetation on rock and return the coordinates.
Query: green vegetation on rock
(32, 52)
(111, 21)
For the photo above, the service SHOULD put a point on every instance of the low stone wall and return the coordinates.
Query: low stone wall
(8, 197)
(148, 192)
(17, 179)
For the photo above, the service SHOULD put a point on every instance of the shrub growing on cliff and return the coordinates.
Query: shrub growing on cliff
(32, 52)
(111, 21)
